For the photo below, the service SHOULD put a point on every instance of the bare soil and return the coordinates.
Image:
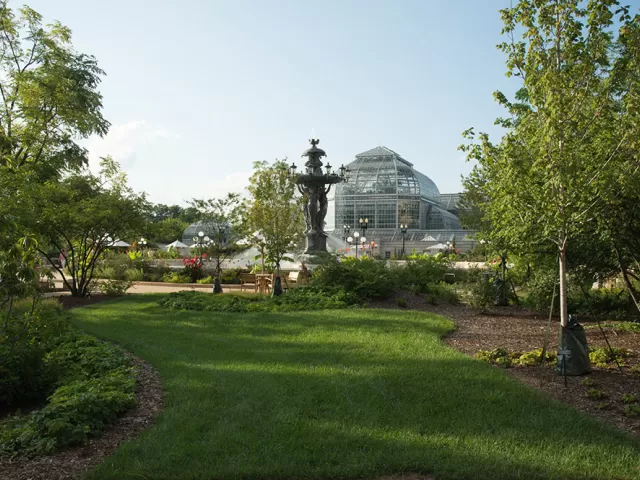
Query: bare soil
(516, 329)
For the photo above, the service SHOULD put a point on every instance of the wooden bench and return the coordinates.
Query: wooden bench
(248, 279)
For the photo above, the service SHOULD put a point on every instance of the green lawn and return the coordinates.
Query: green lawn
(339, 394)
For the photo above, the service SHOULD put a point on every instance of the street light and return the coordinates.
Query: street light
(355, 241)
(403, 231)
(346, 229)
(448, 248)
(363, 240)
(364, 224)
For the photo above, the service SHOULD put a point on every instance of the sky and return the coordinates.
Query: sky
(197, 90)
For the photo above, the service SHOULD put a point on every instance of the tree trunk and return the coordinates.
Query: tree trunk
(627, 281)
(217, 286)
(277, 284)
(564, 312)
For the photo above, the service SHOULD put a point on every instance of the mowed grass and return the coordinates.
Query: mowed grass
(339, 394)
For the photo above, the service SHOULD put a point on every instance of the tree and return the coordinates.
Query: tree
(275, 213)
(48, 92)
(166, 231)
(572, 133)
(220, 221)
(81, 215)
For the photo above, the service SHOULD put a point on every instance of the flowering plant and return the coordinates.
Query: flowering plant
(193, 267)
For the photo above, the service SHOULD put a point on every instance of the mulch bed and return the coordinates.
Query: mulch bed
(516, 329)
(73, 462)
(68, 301)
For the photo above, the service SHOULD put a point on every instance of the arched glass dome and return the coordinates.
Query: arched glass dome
(385, 188)
(381, 171)
(208, 228)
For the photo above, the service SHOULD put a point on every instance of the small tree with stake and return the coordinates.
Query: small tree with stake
(275, 211)
(565, 155)
(220, 220)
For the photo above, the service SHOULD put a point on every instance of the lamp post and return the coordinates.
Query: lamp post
(403, 232)
(355, 241)
(314, 185)
(484, 248)
(364, 224)
(346, 229)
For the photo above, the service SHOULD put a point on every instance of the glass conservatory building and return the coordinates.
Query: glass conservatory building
(385, 188)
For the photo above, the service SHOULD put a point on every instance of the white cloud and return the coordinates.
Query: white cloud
(124, 142)
(157, 162)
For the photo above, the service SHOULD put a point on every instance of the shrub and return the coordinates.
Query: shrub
(206, 280)
(23, 345)
(106, 272)
(134, 274)
(421, 271)
(498, 356)
(365, 278)
(504, 358)
(529, 359)
(595, 394)
(74, 412)
(231, 275)
(632, 410)
(401, 302)
(303, 298)
(442, 291)
(192, 268)
(114, 287)
(628, 398)
(602, 357)
(173, 277)
(482, 292)
(588, 382)
(603, 405)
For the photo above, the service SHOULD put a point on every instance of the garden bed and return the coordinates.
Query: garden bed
(72, 462)
(516, 329)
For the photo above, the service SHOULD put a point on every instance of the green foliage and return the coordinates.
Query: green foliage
(365, 278)
(603, 405)
(74, 412)
(632, 411)
(588, 382)
(206, 280)
(221, 223)
(174, 277)
(24, 342)
(566, 155)
(92, 214)
(595, 394)
(166, 230)
(482, 292)
(421, 271)
(114, 287)
(49, 95)
(503, 358)
(134, 274)
(231, 275)
(86, 381)
(603, 357)
(401, 302)
(273, 215)
(628, 398)
(498, 356)
(531, 358)
(302, 298)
